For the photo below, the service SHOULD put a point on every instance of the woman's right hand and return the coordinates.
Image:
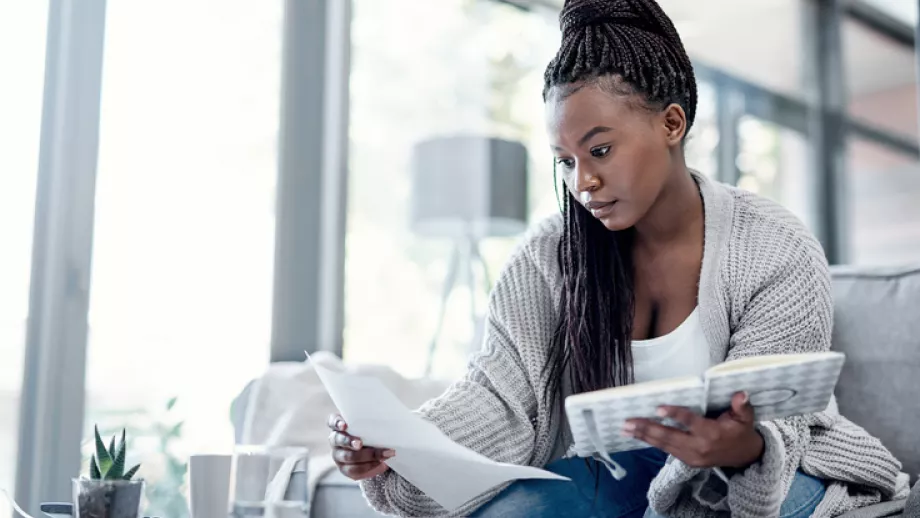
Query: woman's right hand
(353, 459)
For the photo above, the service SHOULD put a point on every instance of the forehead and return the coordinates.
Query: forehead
(571, 116)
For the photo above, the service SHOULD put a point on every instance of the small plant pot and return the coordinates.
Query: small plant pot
(107, 498)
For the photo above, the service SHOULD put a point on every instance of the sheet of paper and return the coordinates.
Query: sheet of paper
(447, 472)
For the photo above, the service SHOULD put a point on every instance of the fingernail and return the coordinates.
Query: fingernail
(356, 444)
(662, 412)
(747, 397)
(388, 453)
(340, 425)
(629, 427)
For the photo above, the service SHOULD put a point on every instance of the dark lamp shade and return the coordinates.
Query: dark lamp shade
(467, 186)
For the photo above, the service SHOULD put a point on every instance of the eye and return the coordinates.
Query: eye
(567, 163)
(600, 152)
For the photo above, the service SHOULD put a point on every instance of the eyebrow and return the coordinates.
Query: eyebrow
(591, 133)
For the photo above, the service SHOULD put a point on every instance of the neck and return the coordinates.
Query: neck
(677, 211)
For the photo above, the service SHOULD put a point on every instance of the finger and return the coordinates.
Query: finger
(343, 440)
(336, 422)
(695, 424)
(384, 454)
(666, 438)
(741, 409)
(363, 470)
(346, 456)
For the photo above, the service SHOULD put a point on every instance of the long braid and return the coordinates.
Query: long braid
(628, 48)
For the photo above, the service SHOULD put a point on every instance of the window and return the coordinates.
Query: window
(881, 77)
(883, 184)
(184, 238)
(703, 140)
(760, 41)
(471, 67)
(773, 162)
(883, 190)
(903, 10)
(22, 56)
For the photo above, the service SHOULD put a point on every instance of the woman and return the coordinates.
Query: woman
(651, 271)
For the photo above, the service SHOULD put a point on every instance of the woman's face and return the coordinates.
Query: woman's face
(614, 155)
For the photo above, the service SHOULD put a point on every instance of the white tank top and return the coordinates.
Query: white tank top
(682, 352)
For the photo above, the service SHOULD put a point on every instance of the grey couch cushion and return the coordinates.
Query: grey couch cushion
(877, 324)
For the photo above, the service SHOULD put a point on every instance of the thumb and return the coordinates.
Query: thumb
(742, 410)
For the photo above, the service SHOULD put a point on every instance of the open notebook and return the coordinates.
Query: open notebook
(779, 386)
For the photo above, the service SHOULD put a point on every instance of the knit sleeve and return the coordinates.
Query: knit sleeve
(789, 310)
(792, 313)
(493, 408)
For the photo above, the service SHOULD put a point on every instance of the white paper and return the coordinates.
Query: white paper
(447, 472)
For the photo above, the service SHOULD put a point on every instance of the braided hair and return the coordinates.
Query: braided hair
(631, 50)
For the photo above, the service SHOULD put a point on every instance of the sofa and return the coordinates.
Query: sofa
(877, 324)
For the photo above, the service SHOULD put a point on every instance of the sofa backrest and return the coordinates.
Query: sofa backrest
(877, 325)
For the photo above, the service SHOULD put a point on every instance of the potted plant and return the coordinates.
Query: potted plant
(108, 492)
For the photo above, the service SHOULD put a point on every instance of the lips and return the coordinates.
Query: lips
(594, 205)
(600, 209)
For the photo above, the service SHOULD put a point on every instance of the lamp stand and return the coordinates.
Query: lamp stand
(465, 254)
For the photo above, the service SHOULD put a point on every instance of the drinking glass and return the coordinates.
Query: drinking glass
(269, 481)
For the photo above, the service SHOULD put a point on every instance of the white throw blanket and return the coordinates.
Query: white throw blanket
(288, 406)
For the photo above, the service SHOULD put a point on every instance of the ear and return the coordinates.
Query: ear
(675, 124)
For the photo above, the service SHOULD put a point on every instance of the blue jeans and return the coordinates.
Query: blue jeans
(602, 496)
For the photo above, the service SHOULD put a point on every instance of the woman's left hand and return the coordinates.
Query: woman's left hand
(730, 441)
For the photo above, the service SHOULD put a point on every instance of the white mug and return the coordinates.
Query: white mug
(209, 485)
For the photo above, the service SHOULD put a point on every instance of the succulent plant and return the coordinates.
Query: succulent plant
(109, 463)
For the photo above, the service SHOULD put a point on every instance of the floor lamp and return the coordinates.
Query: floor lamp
(467, 188)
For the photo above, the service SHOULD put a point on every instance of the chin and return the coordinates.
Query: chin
(614, 223)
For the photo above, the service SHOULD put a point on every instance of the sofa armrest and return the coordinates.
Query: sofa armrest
(912, 507)
(909, 507)
(881, 510)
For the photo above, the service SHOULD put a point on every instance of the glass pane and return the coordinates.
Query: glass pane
(760, 41)
(184, 239)
(773, 162)
(881, 79)
(22, 58)
(884, 216)
(702, 142)
(903, 10)
(489, 85)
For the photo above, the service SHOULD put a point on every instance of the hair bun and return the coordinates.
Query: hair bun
(581, 14)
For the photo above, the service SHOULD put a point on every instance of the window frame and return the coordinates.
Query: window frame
(52, 399)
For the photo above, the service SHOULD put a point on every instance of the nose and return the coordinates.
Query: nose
(585, 181)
